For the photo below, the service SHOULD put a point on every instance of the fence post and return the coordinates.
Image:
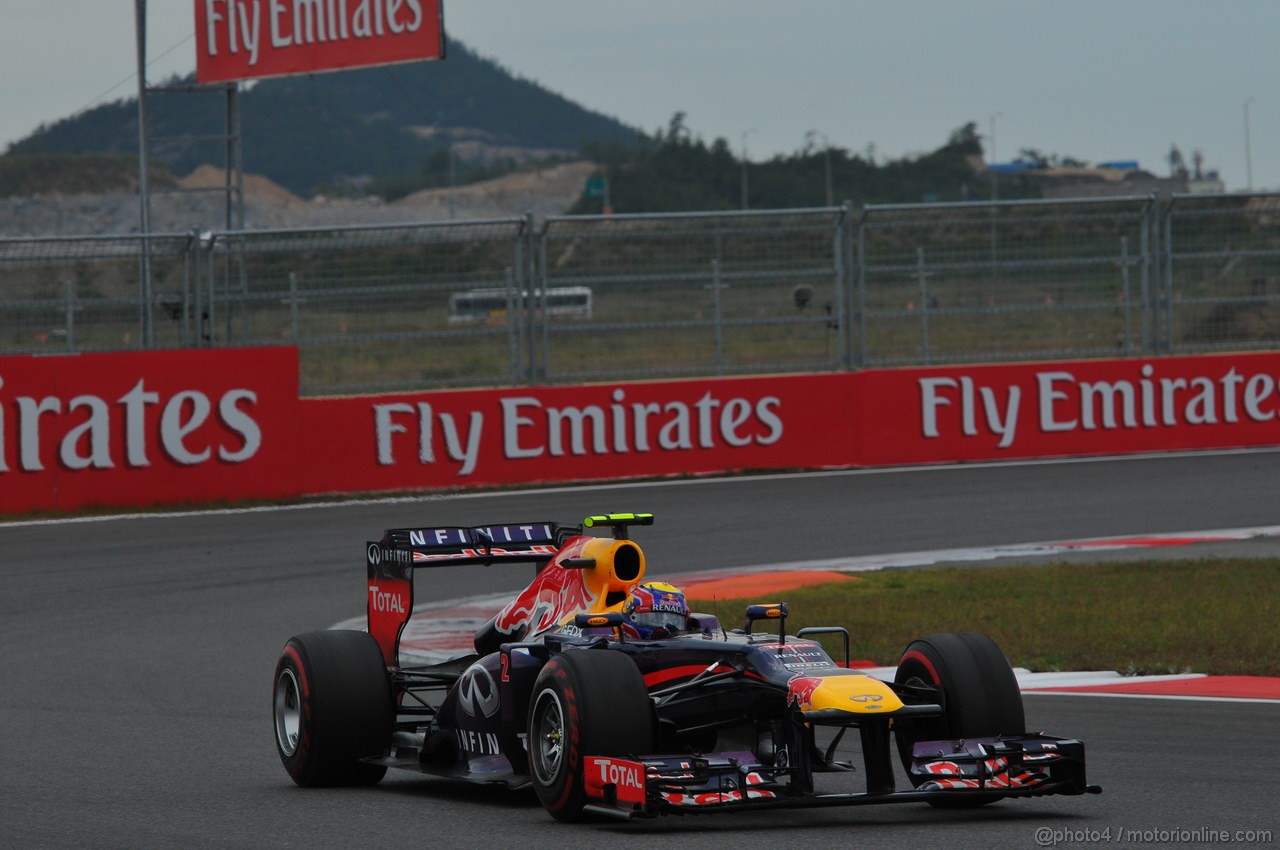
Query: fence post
(243, 273)
(922, 276)
(519, 313)
(1124, 280)
(294, 330)
(841, 299)
(70, 287)
(209, 243)
(535, 254)
(845, 287)
(514, 320)
(186, 289)
(1149, 263)
(862, 288)
(538, 305)
(146, 319)
(715, 301)
(1167, 293)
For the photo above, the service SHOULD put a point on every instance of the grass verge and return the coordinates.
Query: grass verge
(1215, 616)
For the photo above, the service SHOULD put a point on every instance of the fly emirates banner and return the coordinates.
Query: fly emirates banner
(195, 426)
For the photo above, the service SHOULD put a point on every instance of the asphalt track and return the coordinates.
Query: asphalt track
(137, 657)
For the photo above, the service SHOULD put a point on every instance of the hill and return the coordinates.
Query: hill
(113, 209)
(33, 174)
(676, 170)
(344, 131)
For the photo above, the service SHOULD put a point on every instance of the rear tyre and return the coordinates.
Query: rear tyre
(332, 707)
(979, 692)
(585, 703)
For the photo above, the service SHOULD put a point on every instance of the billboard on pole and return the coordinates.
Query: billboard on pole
(250, 39)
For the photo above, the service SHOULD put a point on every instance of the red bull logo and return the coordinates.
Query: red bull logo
(555, 594)
(800, 690)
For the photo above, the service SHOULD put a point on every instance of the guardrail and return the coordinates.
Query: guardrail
(688, 294)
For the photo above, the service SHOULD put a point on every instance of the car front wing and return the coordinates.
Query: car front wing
(1014, 766)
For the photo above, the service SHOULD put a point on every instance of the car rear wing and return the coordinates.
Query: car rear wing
(392, 560)
(484, 544)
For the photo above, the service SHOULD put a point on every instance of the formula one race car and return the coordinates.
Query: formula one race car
(570, 692)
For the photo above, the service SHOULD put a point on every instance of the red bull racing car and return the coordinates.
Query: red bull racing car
(607, 696)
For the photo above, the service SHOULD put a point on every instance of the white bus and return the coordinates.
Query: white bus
(491, 305)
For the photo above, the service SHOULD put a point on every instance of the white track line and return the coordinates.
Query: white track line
(628, 485)
(1114, 695)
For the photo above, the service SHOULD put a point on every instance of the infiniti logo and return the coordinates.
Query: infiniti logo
(866, 698)
(379, 554)
(477, 692)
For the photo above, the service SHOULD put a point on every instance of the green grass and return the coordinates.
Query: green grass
(1206, 616)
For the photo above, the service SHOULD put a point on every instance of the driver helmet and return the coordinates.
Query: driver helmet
(657, 610)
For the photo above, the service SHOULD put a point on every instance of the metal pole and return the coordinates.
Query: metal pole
(1167, 296)
(235, 163)
(745, 133)
(715, 300)
(192, 258)
(1248, 146)
(1148, 263)
(995, 175)
(144, 186)
(186, 291)
(293, 307)
(924, 304)
(211, 290)
(513, 325)
(538, 304)
(995, 198)
(841, 297)
(862, 290)
(826, 155)
(853, 308)
(228, 184)
(238, 133)
(71, 314)
(524, 287)
(1124, 277)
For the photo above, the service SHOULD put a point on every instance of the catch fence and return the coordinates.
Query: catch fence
(570, 299)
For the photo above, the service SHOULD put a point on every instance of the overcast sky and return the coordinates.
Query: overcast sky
(1095, 79)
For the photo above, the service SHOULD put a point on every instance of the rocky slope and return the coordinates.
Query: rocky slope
(199, 204)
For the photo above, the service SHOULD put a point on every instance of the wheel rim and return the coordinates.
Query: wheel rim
(288, 711)
(547, 747)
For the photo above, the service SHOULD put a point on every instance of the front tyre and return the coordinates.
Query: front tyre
(980, 695)
(332, 706)
(585, 703)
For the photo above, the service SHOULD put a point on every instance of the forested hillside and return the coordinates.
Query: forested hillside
(676, 170)
(342, 129)
(396, 130)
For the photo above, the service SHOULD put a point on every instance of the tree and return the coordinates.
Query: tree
(1036, 157)
(966, 139)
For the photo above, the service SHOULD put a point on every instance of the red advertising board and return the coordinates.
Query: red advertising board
(250, 39)
(147, 428)
(1085, 407)
(585, 433)
(196, 426)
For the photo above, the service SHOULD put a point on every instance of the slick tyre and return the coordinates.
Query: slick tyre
(585, 703)
(332, 706)
(979, 693)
